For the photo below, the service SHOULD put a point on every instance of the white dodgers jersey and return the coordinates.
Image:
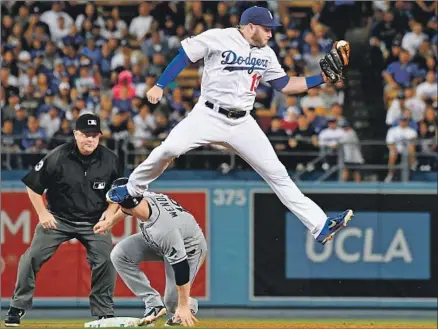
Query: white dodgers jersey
(232, 67)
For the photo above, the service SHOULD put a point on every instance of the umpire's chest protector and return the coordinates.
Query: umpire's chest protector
(76, 185)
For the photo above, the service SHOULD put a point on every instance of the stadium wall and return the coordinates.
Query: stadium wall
(260, 254)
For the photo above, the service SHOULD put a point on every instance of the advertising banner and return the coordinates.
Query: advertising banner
(67, 273)
(387, 250)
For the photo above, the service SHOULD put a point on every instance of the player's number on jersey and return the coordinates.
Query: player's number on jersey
(228, 197)
(255, 81)
(178, 206)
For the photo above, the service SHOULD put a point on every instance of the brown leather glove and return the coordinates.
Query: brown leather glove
(335, 61)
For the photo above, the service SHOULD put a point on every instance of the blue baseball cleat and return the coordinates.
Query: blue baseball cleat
(333, 225)
(118, 194)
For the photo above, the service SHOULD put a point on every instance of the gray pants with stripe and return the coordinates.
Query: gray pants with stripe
(133, 250)
(44, 245)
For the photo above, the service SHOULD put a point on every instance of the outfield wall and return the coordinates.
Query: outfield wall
(260, 254)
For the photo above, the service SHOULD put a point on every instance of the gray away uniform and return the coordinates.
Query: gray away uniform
(170, 235)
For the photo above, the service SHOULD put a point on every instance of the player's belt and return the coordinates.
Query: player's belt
(232, 114)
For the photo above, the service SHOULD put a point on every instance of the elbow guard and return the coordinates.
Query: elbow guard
(182, 272)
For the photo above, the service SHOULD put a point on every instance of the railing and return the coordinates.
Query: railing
(331, 161)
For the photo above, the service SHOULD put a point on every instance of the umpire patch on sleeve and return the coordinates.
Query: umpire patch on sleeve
(99, 185)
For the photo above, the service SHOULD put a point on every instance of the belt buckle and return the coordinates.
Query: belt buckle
(230, 114)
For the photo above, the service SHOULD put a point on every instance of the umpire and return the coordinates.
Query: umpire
(77, 176)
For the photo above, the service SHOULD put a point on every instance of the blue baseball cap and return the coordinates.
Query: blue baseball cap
(259, 16)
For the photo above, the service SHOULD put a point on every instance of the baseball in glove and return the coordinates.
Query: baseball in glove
(334, 62)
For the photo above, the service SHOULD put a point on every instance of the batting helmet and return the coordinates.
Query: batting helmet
(131, 202)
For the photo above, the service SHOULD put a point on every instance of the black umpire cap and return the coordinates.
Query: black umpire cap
(88, 123)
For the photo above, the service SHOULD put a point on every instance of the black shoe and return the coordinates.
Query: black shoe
(14, 316)
(105, 317)
(153, 315)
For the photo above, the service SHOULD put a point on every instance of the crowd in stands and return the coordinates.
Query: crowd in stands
(61, 59)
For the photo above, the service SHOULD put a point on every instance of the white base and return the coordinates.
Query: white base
(121, 322)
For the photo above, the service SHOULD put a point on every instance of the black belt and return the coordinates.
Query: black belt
(232, 114)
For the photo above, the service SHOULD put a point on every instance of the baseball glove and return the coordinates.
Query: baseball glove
(334, 62)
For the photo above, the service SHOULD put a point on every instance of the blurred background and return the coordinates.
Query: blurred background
(62, 59)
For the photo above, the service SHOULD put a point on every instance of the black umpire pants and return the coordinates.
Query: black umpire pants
(42, 248)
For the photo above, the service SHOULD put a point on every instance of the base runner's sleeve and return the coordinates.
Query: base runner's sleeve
(199, 46)
(172, 245)
(182, 272)
(38, 179)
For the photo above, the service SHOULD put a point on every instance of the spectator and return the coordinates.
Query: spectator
(142, 88)
(8, 112)
(104, 62)
(222, 17)
(105, 122)
(331, 137)
(63, 99)
(401, 72)
(416, 105)
(120, 24)
(283, 110)
(162, 127)
(277, 135)
(430, 119)
(352, 153)
(331, 96)
(412, 40)
(51, 17)
(63, 135)
(141, 24)
(428, 89)
(144, 122)
(9, 145)
(386, 30)
(119, 131)
(33, 142)
(289, 122)
(91, 51)
(176, 101)
(124, 91)
(154, 45)
(337, 111)
(325, 43)
(303, 139)
(315, 121)
(427, 147)
(85, 81)
(50, 121)
(313, 99)
(91, 15)
(60, 30)
(137, 75)
(395, 110)
(110, 30)
(400, 140)
(124, 53)
(20, 121)
(407, 115)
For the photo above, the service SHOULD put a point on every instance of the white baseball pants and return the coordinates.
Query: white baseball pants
(206, 126)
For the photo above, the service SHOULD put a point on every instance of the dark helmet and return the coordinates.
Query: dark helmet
(130, 202)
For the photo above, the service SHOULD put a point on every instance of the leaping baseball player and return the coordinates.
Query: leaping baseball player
(235, 60)
(168, 234)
